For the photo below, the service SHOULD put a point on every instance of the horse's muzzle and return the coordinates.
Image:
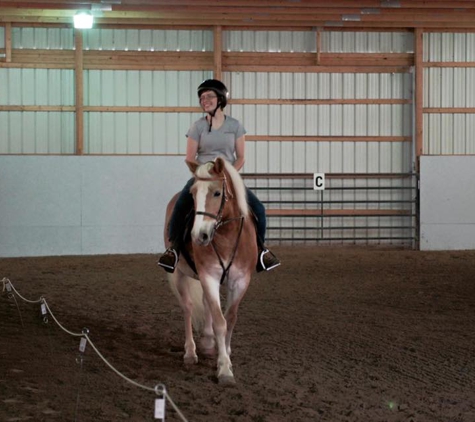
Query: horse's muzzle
(203, 238)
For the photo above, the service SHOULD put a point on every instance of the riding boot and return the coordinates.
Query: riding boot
(266, 260)
(169, 259)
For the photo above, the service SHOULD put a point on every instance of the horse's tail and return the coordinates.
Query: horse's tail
(192, 296)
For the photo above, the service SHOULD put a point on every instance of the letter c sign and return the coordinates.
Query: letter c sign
(318, 181)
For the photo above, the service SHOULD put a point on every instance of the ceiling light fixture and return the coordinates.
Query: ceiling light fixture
(83, 20)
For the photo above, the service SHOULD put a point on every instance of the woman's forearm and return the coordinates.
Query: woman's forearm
(238, 163)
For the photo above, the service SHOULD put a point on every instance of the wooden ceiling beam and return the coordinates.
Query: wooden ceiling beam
(253, 14)
(249, 14)
(255, 25)
(283, 4)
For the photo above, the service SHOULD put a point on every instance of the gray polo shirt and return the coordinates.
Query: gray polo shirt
(217, 143)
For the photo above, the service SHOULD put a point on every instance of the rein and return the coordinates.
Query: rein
(226, 194)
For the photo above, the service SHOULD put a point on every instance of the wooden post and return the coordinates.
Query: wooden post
(8, 42)
(218, 57)
(79, 84)
(419, 94)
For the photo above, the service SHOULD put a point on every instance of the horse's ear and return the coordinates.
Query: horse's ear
(192, 166)
(218, 165)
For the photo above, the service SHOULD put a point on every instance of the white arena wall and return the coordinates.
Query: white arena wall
(447, 212)
(78, 205)
(87, 205)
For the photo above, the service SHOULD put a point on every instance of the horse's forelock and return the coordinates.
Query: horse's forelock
(204, 171)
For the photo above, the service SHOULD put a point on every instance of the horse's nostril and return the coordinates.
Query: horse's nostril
(204, 237)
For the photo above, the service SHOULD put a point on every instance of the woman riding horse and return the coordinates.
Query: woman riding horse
(212, 136)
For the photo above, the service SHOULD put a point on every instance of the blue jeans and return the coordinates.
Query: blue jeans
(184, 205)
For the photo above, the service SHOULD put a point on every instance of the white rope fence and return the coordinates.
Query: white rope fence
(159, 389)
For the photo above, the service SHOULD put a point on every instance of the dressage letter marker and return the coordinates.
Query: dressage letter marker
(318, 181)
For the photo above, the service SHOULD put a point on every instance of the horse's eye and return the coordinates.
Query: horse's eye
(217, 193)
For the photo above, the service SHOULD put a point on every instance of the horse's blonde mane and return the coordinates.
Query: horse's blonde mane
(203, 172)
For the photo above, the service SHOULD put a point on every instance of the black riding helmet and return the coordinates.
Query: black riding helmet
(218, 88)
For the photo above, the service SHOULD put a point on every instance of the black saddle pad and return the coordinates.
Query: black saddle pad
(187, 239)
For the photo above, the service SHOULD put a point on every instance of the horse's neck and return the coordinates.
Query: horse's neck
(231, 211)
(226, 238)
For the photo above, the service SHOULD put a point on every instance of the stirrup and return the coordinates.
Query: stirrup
(272, 261)
(165, 260)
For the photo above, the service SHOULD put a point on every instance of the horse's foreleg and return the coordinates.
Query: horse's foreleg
(236, 291)
(186, 303)
(211, 290)
(190, 356)
(207, 341)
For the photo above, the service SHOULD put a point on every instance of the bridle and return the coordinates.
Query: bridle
(224, 198)
(225, 195)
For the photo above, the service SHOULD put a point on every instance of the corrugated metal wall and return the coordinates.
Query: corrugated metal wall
(144, 132)
(53, 133)
(150, 133)
(449, 47)
(331, 41)
(148, 40)
(142, 88)
(37, 132)
(324, 120)
(137, 133)
(113, 39)
(269, 41)
(445, 87)
(42, 87)
(367, 42)
(43, 38)
(449, 87)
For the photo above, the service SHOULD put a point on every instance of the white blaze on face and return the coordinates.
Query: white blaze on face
(201, 225)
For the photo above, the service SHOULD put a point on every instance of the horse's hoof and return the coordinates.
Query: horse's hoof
(226, 380)
(190, 360)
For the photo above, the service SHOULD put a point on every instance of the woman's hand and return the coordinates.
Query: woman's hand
(240, 148)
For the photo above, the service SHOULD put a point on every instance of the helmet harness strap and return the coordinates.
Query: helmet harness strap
(211, 115)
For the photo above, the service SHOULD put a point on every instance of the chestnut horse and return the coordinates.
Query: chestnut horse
(223, 248)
